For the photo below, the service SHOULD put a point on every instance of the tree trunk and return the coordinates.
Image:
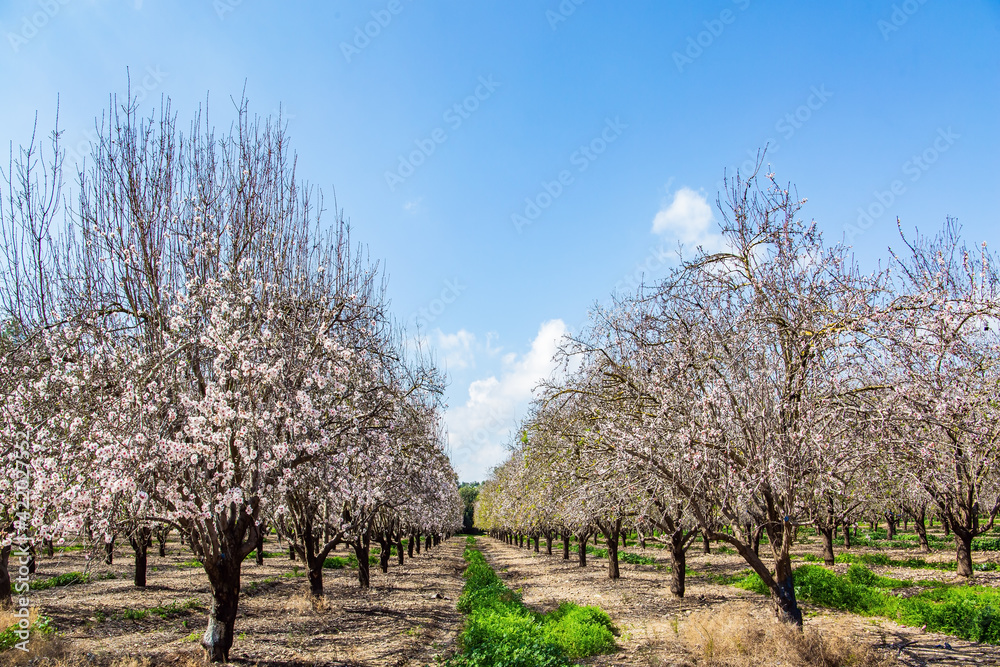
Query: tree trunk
(536, 542)
(548, 544)
(946, 525)
(385, 553)
(785, 605)
(921, 528)
(613, 570)
(314, 563)
(315, 576)
(582, 551)
(50, 548)
(5, 599)
(409, 545)
(109, 552)
(847, 536)
(427, 543)
(260, 546)
(678, 567)
(826, 532)
(399, 550)
(141, 539)
(161, 541)
(890, 526)
(565, 541)
(32, 563)
(755, 539)
(963, 553)
(707, 546)
(224, 577)
(291, 550)
(417, 540)
(361, 549)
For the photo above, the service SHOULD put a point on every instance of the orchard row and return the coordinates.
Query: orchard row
(766, 384)
(185, 346)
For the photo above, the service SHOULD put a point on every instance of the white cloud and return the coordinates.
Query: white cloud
(480, 428)
(689, 219)
(457, 349)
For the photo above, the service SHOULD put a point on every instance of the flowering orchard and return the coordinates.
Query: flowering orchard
(185, 346)
(764, 387)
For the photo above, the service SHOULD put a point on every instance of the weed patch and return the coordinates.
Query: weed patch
(969, 612)
(501, 630)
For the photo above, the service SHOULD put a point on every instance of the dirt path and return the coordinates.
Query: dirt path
(407, 617)
(648, 616)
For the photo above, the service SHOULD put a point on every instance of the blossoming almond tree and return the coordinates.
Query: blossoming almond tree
(232, 319)
(941, 362)
(739, 360)
(39, 377)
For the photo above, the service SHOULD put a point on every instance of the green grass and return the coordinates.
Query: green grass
(163, 611)
(968, 612)
(635, 559)
(68, 579)
(879, 539)
(501, 630)
(624, 557)
(339, 563)
(42, 625)
(986, 544)
(728, 579)
(255, 586)
(914, 563)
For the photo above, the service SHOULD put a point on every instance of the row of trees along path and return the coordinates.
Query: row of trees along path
(185, 343)
(769, 383)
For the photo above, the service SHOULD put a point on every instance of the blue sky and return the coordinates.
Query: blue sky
(579, 123)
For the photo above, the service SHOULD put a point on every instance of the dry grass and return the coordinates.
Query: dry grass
(41, 648)
(303, 603)
(56, 653)
(50, 651)
(738, 635)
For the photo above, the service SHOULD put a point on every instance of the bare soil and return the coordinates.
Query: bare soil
(408, 616)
